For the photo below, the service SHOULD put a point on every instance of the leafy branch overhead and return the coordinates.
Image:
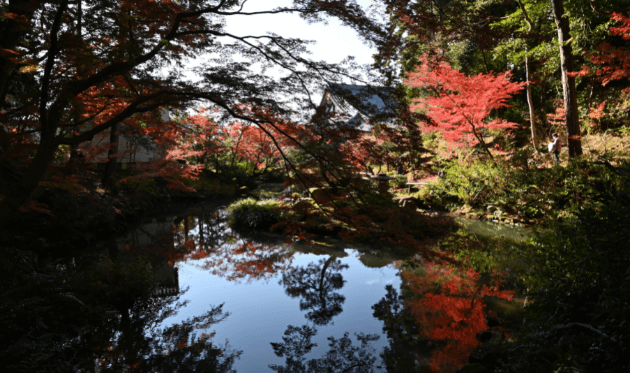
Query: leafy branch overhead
(71, 70)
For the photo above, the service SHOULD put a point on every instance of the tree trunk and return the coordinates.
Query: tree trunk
(568, 82)
(530, 103)
(112, 159)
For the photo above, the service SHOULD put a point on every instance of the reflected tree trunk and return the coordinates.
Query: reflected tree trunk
(322, 276)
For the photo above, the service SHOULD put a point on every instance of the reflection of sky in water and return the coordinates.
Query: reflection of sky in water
(261, 311)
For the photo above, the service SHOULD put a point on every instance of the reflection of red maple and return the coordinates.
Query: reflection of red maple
(451, 310)
(242, 259)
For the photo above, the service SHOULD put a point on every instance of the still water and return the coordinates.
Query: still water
(270, 290)
(227, 301)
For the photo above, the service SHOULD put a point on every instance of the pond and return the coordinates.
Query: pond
(268, 290)
(247, 302)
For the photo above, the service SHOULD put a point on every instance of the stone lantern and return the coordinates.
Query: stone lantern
(383, 182)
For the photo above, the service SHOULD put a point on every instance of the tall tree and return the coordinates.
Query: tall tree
(568, 81)
(528, 78)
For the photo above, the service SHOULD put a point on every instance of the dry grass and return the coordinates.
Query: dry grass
(598, 144)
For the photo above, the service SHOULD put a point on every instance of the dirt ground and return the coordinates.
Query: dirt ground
(592, 145)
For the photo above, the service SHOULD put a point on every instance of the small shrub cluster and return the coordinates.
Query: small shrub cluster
(254, 214)
(400, 181)
(142, 186)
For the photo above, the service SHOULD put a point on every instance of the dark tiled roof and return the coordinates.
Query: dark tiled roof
(362, 103)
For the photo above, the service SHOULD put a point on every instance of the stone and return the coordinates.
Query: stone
(320, 196)
(409, 204)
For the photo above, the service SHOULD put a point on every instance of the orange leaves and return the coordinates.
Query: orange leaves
(624, 29)
(598, 112)
(33, 205)
(243, 260)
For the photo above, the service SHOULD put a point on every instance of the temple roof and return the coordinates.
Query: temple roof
(356, 105)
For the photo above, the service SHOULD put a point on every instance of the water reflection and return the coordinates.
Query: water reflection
(133, 341)
(316, 285)
(221, 264)
(408, 349)
(341, 357)
(207, 241)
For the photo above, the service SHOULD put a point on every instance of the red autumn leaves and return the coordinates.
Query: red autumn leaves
(451, 310)
(459, 105)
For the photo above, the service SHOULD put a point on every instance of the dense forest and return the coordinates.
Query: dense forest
(100, 126)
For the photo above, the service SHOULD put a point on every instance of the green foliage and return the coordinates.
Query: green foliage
(208, 185)
(267, 191)
(145, 186)
(529, 193)
(495, 258)
(253, 214)
(479, 253)
(472, 182)
(623, 131)
(400, 181)
(578, 280)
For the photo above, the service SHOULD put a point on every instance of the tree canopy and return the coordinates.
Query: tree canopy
(72, 69)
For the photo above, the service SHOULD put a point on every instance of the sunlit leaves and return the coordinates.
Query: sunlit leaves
(459, 105)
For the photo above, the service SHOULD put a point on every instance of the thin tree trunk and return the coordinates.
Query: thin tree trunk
(568, 82)
(322, 275)
(530, 103)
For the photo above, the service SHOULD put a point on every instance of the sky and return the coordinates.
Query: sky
(334, 41)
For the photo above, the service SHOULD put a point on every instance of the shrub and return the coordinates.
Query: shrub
(254, 214)
(579, 284)
(400, 181)
(136, 185)
(530, 193)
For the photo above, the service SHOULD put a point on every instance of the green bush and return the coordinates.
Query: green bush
(146, 186)
(579, 282)
(253, 214)
(529, 193)
(400, 181)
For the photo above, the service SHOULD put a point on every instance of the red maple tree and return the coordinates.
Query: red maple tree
(612, 63)
(459, 105)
